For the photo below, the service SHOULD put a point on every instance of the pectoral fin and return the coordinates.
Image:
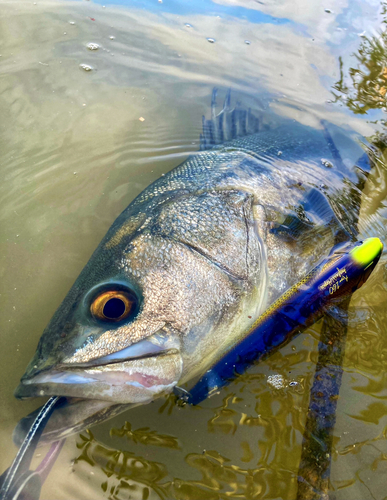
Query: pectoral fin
(313, 215)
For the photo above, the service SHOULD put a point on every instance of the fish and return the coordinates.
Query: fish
(193, 260)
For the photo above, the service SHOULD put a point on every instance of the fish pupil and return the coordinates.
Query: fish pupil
(114, 308)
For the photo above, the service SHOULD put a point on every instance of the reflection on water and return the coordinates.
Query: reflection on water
(77, 146)
(125, 472)
(364, 88)
(145, 436)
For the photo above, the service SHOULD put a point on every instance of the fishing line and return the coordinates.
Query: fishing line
(18, 477)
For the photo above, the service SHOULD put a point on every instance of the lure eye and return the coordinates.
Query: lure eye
(113, 305)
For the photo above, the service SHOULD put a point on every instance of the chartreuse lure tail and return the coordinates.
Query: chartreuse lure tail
(340, 274)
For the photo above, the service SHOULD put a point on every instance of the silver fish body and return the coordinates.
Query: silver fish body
(192, 261)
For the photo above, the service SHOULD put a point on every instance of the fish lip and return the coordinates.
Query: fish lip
(156, 344)
(95, 363)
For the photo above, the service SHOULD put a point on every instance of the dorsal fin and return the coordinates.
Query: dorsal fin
(227, 125)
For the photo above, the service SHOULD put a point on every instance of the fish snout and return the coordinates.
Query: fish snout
(135, 374)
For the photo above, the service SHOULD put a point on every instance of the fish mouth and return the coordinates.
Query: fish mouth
(136, 374)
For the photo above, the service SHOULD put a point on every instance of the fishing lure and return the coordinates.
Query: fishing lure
(345, 270)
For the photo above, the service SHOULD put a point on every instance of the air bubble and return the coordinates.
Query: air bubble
(247, 42)
(86, 67)
(187, 25)
(72, 22)
(277, 381)
(326, 163)
(328, 11)
(112, 37)
(92, 46)
(211, 40)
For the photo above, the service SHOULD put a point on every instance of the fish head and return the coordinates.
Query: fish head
(153, 306)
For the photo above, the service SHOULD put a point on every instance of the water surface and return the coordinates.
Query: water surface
(84, 131)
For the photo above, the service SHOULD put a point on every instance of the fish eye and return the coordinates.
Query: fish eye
(114, 305)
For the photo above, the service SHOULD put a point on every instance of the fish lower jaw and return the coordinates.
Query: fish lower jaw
(118, 391)
(113, 378)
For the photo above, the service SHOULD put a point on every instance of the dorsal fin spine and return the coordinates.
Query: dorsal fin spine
(227, 125)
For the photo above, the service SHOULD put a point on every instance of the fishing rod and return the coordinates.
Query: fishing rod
(345, 270)
(18, 482)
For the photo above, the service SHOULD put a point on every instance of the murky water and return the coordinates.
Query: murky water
(84, 128)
